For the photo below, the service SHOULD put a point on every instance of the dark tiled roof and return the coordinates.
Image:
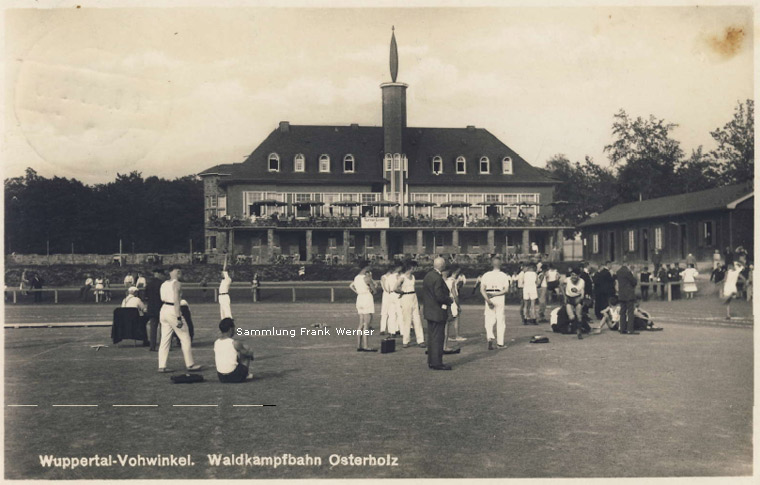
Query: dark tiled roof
(702, 201)
(366, 145)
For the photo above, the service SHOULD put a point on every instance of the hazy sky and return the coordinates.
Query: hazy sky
(170, 92)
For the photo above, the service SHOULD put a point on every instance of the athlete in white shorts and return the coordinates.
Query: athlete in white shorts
(530, 293)
(493, 286)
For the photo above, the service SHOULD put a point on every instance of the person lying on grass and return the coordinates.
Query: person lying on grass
(233, 357)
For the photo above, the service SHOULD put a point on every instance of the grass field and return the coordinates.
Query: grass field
(671, 403)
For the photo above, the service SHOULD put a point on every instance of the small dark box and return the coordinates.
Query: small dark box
(387, 346)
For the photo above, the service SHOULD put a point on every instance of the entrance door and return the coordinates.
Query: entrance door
(645, 244)
(682, 240)
(302, 248)
(612, 246)
(395, 243)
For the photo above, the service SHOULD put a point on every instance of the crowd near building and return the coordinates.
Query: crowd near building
(337, 193)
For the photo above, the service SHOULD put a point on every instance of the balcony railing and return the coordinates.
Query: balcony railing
(395, 221)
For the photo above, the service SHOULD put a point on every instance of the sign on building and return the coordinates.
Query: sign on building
(375, 223)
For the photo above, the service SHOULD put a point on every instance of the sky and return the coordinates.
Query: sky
(90, 93)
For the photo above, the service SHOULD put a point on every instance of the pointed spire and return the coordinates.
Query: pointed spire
(394, 55)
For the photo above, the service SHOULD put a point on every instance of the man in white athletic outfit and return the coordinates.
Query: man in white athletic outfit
(172, 323)
(225, 309)
(493, 286)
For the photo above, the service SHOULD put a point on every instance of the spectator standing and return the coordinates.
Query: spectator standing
(153, 296)
(106, 288)
(129, 280)
(716, 259)
(255, 286)
(99, 289)
(24, 285)
(604, 288)
(85, 290)
(140, 285)
(689, 277)
(645, 277)
(37, 286)
(627, 297)
(662, 278)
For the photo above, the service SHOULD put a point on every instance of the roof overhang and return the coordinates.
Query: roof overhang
(738, 201)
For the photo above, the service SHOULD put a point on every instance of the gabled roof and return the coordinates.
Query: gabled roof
(365, 143)
(702, 201)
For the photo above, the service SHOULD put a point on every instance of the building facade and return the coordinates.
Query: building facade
(341, 192)
(671, 228)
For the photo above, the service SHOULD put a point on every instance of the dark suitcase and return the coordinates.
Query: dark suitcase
(387, 346)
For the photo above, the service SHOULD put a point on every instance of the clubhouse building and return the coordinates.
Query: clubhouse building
(337, 193)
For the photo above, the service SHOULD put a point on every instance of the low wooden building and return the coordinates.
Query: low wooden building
(695, 223)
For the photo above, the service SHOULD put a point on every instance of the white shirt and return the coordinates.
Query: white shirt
(552, 274)
(495, 280)
(167, 291)
(554, 316)
(529, 279)
(128, 280)
(360, 285)
(732, 277)
(390, 282)
(225, 355)
(141, 282)
(131, 301)
(224, 286)
(520, 279)
(407, 285)
(574, 289)
(88, 282)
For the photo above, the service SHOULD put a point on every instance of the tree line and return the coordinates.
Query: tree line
(156, 215)
(150, 215)
(647, 162)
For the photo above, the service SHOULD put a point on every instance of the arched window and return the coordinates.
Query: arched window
(299, 163)
(274, 162)
(348, 164)
(506, 166)
(437, 165)
(461, 165)
(485, 165)
(324, 163)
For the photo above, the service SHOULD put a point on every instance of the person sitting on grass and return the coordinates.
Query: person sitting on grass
(642, 320)
(233, 357)
(611, 315)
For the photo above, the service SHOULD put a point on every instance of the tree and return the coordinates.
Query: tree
(736, 145)
(645, 156)
(698, 172)
(588, 188)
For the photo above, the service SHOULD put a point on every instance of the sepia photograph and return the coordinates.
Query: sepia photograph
(333, 240)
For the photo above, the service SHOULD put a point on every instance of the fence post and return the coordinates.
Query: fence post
(293, 289)
(255, 290)
(332, 295)
(14, 296)
(216, 296)
(670, 291)
(55, 296)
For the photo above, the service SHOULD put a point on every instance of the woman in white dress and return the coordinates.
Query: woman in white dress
(99, 289)
(363, 286)
(688, 276)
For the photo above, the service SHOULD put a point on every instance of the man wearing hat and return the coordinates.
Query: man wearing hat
(627, 296)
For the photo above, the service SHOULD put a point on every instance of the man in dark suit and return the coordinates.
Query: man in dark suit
(436, 299)
(627, 297)
(604, 288)
(153, 295)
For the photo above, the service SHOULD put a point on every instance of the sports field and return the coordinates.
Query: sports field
(670, 403)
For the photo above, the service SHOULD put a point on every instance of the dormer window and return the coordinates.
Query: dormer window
(437, 165)
(461, 165)
(299, 163)
(506, 166)
(348, 164)
(324, 163)
(274, 162)
(485, 165)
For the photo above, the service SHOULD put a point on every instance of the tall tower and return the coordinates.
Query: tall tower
(395, 164)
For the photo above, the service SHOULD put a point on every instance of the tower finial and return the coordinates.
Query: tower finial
(394, 55)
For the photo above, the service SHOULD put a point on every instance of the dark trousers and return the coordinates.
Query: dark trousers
(436, 332)
(37, 296)
(644, 292)
(153, 332)
(601, 302)
(84, 291)
(626, 316)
